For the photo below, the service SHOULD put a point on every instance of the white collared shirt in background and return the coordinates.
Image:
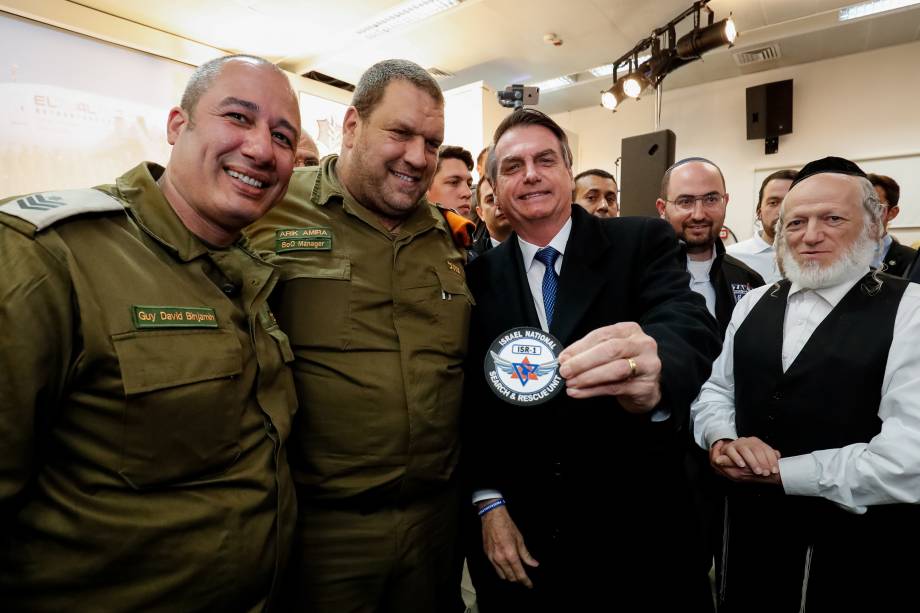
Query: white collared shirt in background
(884, 470)
(759, 255)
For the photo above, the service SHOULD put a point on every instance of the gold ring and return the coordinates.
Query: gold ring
(633, 368)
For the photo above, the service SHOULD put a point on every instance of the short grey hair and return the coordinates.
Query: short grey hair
(370, 88)
(204, 76)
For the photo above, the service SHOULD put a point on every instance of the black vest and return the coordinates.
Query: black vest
(829, 398)
(830, 395)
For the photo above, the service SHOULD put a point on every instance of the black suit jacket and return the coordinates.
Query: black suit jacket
(583, 475)
(899, 260)
(731, 279)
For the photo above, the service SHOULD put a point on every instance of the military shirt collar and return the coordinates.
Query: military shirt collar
(147, 204)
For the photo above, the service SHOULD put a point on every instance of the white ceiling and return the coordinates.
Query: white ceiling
(501, 41)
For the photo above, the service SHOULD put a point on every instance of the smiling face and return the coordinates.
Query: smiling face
(389, 157)
(452, 186)
(233, 155)
(533, 182)
(698, 226)
(823, 218)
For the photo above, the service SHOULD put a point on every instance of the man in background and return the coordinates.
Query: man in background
(758, 252)
(497, 228)
(481, 162)
(307, 152)
(893, 257)
(452, 185)
(144, 395)
(376, 307)
(693, 200)
(596, 192)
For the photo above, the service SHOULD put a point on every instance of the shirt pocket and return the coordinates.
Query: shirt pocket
(314, 301)
(454, 313)
(183, 404)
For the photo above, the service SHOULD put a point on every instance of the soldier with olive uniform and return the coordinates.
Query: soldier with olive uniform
(144, 396)
(374, 299)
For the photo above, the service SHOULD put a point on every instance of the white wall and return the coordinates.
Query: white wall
(81, 105)
(471, 114)
(858, 106)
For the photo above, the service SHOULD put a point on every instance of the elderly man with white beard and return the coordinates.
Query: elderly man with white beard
(813, 412)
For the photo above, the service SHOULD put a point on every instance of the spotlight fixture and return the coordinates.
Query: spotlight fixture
(612, 97)
(635, 83)
(701, 40)
(662, 53)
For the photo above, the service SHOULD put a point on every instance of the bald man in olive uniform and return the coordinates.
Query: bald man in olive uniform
(144, 397)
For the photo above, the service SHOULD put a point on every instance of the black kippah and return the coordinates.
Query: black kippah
(836, 165)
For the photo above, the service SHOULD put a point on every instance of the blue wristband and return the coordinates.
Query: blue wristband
(492, 505)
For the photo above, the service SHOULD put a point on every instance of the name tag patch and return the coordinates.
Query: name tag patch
(315, 238)
(146, 317)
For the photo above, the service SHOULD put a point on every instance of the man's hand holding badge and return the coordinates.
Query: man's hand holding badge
(618, 360)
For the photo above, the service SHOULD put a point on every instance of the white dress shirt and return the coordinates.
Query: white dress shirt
(700, 281)
(759, 255)
(884, 470)
(535, 268)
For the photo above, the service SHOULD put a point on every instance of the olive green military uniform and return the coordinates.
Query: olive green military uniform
(144, 400)
(378, 324)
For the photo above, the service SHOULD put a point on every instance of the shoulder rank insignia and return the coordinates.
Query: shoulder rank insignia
(46, 208)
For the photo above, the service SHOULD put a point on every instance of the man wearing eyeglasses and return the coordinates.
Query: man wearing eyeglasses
(693, 201)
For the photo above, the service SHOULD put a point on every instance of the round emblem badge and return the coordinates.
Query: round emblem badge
(522, 366)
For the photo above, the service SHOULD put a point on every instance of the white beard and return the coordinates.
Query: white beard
(849, 264)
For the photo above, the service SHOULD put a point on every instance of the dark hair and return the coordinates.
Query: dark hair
(372, 85)
(891, 187)
(666, 179)
(786, 174)
(203, 77)
(595, 172)
(451, 152)
(526, 116)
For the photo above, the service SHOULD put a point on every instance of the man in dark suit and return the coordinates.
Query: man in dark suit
(582, 496)
(893, 257)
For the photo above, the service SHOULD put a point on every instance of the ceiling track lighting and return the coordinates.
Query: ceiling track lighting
(666, 53)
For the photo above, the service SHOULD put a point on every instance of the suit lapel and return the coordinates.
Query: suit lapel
(582, 275)
(511, 277)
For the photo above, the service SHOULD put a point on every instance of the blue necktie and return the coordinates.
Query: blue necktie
(548, 256)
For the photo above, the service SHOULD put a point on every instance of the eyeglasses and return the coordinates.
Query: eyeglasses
(710, 201)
